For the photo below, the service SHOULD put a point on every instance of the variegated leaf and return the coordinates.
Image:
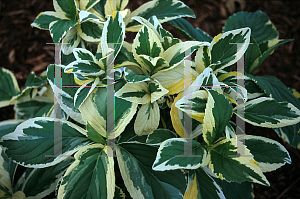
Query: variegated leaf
(67, 7)
(7, 172)
(114, 5)
(269, 154)
(178, 153)
(88, 16)
(58, 29)
(139, 178)
(90, 31)
(207, 79)
(84, 91)
(262, 29)
(194, 104)
(85, 68)
(70, 41)
(29, 108)
(227, 48)
(35, 138)
(87, 4)
(174, 79)
(178, 120)
(147, 119)
(202, 59)
(91, 175)
(65, 95)
(157, 90)
(163, 10)
(218, 112)
(267, 112)
(135, 92)
(134, 77)
(229, 164)
(202, 185)
(178, 52)
(43, 20)
(41, 182)
(95, 111)
(8, 126)
(94, 135)
(113, 33)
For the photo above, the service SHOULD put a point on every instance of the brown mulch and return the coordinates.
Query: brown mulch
(23, 49)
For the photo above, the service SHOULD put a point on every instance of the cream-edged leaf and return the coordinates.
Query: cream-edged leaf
(147, 119)
(269, 154)
(35, 138)
(135, 92)
(91, 175)
(218, 112)
(178, 153)
(229, 163)
(267, 112)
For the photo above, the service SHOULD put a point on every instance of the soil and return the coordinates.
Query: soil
(24, 49)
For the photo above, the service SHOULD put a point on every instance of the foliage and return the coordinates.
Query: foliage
(149, 112)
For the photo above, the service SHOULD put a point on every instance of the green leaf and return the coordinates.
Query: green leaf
(30, 108)
(67, 7)
(267, 112)
(189, 32)
(139, 178)
(35, 138)
(163, 10)
(227, 48)
(58, 29)
(269, 154)
(159, 135)
(228, 163)
(234, 190)
(274, 88)
(177, 153)
(93, 134)
(90, 176)
(218, 112)
(41, 182)
(262, 29)
(270, 46)
(8, 87)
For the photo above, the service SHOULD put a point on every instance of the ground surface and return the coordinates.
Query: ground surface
(23, 49)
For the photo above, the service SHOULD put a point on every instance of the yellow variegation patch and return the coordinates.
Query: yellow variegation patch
(192, 191)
